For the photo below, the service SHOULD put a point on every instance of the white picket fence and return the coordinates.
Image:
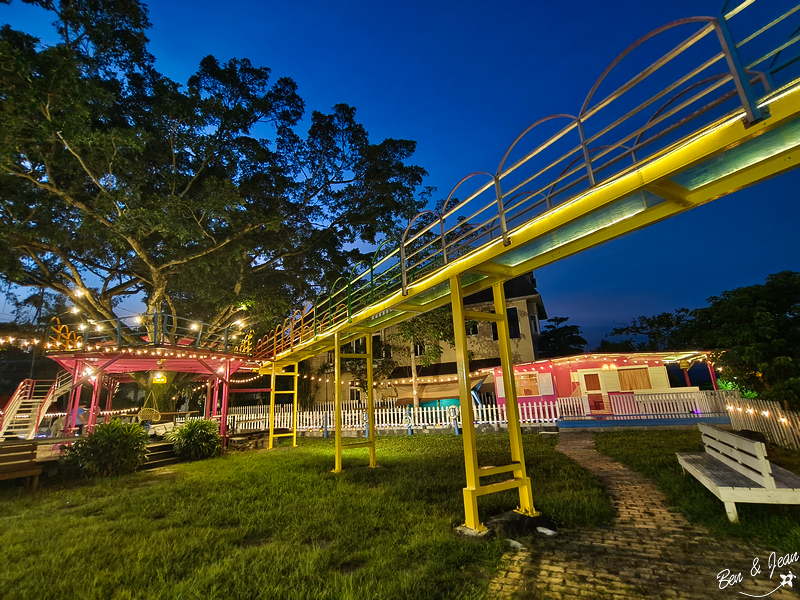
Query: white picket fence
(781, 427)
(250, 418)
(645, 406)
(575, 406)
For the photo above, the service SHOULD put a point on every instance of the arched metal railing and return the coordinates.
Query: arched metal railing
(588, 150)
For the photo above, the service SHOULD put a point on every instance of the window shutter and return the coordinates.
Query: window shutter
(659, 378)
(546, 384)
(612, 381)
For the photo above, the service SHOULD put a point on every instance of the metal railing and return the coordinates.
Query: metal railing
(23, 392)
(701, 79)
(152, 329)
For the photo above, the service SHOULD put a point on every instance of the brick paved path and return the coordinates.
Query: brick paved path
(651, 552)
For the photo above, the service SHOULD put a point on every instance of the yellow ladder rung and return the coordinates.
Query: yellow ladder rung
(358, 445)
(282, 434)
(486, 471)
(501, 486)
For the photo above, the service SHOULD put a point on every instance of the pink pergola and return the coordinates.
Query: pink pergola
(105, 368)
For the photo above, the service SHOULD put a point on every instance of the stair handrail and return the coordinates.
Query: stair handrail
(64, 380)
(23, 391)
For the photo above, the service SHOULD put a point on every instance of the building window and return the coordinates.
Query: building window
(472, 328)
(527, 384)
(355, 395)
(535, 324)
(380, 349)
(419, 349)
(634, 379)
(513, 325)
(360, 346)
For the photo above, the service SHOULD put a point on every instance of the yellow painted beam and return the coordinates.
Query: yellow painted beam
(671, 191)
(775, 165)
(474, 315)
(493, 269)
(412, 308)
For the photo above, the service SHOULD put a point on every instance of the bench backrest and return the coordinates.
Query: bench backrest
(745, 456)
(13, 456)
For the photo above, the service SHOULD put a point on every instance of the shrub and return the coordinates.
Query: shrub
(197, 439)
(113, 448)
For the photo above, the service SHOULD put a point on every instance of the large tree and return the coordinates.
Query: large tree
(560, 339)
(665, 331)
(204, 198)
(756, 330)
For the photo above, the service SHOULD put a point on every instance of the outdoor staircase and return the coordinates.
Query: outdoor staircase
(161, 455)
(24, 412)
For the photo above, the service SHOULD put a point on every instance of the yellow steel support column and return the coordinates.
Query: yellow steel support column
(337, 395)
(370, 402)
(294, 412)
(512, 408)
(273, 394)
(467, 416)
(273, 386)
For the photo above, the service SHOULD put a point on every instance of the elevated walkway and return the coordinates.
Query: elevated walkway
(715, 113)
(690, 138)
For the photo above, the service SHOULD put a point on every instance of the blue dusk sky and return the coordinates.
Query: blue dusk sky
(463, 79)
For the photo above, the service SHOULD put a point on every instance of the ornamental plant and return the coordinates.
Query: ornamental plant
(113, 448)
(196, 439)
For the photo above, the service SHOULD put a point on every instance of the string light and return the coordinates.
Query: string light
(21, 341)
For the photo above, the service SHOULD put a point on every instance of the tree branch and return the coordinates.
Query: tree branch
(80, 160)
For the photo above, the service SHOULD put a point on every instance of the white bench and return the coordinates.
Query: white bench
(736, 469)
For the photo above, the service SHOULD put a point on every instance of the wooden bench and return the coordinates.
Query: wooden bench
(19, 460)
(736, 469)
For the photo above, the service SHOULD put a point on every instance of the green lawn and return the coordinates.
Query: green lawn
(279, 524)
(652, 453)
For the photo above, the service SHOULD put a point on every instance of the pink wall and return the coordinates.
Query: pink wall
(563, 386)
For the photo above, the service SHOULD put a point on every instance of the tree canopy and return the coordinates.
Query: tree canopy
(559, 339)
(666, 331)
(754, 332)
(203, 197)
(757, 330)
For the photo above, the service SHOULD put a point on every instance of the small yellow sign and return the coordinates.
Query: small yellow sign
(160, 378)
